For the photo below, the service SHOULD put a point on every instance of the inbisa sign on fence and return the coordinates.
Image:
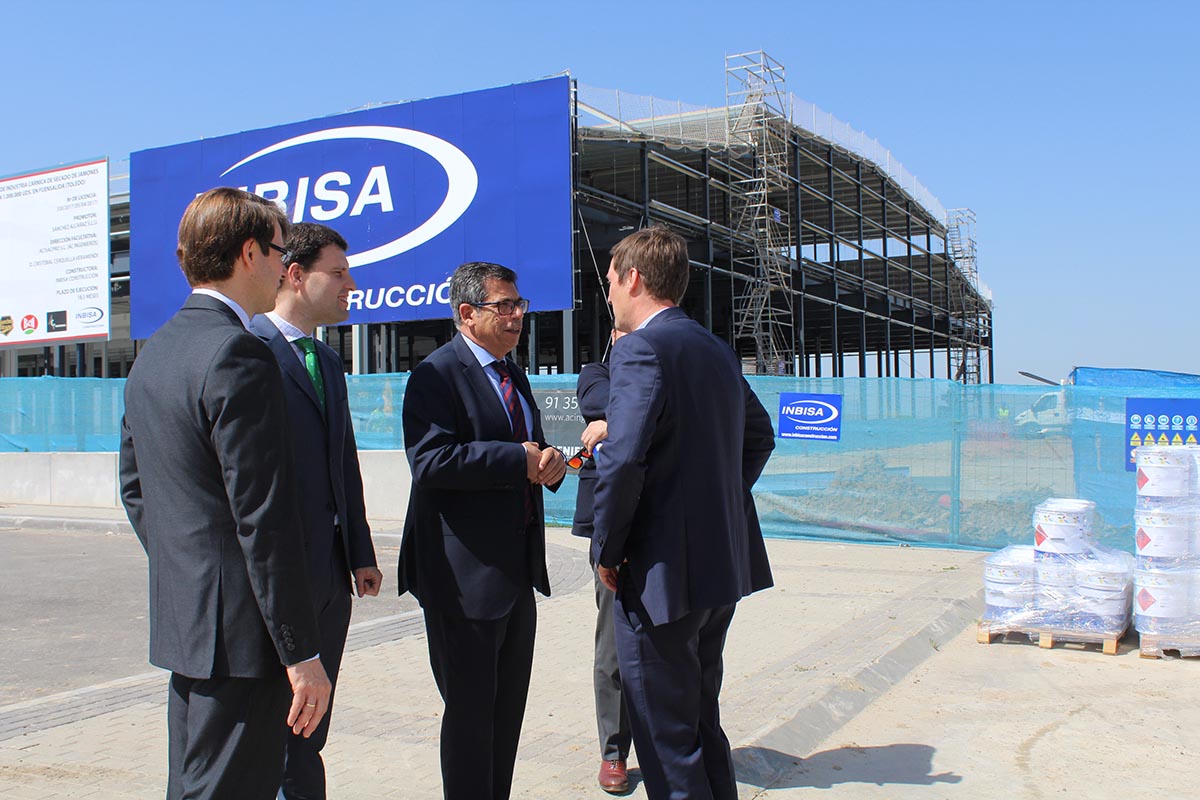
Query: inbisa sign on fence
(415, 188)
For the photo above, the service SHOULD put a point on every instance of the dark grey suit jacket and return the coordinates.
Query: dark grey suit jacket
(687, 438)
(466, 550)
(327, 470)
(206, 478)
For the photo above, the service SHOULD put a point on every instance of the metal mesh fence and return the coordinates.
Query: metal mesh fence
(922, 462)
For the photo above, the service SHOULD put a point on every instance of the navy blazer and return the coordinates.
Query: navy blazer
(326, 457)
(687, 438)
(466, 550)
(207, 480)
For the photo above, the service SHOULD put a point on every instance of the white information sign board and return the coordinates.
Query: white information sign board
(54, 256)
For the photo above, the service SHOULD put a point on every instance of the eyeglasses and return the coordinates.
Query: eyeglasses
(505, 308)
(281, 250)
(576, 461)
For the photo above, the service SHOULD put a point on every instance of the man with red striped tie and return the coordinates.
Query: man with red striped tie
(474, 541)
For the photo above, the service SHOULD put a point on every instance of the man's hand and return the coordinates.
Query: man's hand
(608, 576)
(594, 433)
(367, 581)
(310, 696)
(533, 460)
(551, 466)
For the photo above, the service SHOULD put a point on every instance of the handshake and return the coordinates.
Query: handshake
(543, 467)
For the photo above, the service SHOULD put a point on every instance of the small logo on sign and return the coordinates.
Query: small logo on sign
(29, 324)
(90, 315)
(56, 321)
(6, 325)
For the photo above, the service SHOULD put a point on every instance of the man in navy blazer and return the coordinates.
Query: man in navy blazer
(207, 480)
(474, 542)
(676, 535)
(337, 538)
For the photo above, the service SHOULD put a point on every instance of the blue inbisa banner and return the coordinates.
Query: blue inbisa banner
(415, 188)
(810, 416)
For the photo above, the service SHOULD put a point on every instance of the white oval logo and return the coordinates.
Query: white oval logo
(811, 412)
(89, 315)
(462, 181)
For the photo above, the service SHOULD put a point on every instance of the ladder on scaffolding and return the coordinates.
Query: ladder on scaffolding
(967, 314)
(757, 120)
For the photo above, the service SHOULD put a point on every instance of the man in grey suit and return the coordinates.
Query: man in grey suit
(336, 535)
(207, 480)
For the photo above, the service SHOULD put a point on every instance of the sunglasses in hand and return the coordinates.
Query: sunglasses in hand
(579, 459)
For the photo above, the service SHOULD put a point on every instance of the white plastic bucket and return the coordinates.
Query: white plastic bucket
(1013, 564)
(1054, 585)
(1103, 602)
(1164, 594)
(1007, 595)
(1163, 471)
(1112, 573)
(1164, 533)
(1063, 526)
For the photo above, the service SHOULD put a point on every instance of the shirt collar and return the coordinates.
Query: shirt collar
(289, 331)
(483, 356)
(241, 313)
(646, 321)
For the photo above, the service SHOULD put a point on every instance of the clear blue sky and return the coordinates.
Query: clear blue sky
(1069, 127)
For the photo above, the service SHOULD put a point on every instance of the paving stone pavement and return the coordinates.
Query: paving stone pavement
(843, 624)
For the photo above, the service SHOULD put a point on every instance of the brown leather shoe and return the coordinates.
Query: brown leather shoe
(613, 777)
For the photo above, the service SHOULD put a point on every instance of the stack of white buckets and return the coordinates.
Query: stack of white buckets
(1165, 600)
(1064, 581)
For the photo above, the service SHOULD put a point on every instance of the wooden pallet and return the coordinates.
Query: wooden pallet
(1153, 645)
(1046, 637)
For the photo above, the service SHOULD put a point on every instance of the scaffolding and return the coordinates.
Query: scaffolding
(756, 106)
(970, 314)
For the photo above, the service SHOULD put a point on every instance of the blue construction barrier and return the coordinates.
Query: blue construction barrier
(922, 462)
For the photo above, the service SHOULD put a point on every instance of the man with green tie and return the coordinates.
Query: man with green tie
(337, 539)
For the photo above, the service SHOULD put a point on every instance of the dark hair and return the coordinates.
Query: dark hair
(214, 227)
(468, 284)
(306, 241)
(660, 257)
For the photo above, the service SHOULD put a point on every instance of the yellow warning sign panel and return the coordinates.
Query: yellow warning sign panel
(1135, 441)
(1191, 438)
(1177, 439)
(1162, 439)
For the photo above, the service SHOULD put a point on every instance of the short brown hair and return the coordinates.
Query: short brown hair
(660, 257)
(214, 227)
(306, 241)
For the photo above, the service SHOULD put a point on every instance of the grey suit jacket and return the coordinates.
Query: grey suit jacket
(206, 478)
(326, 460)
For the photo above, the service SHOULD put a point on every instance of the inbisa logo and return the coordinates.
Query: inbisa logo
(335, 193)
(810, 412)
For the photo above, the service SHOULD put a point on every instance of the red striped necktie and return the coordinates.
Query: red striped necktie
(516, 417)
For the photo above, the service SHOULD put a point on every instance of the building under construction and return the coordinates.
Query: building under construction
(814, 252)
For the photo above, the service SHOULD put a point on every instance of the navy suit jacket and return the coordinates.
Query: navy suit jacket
(467, 551)
(326, 458)
(207, 480)
(687, 439)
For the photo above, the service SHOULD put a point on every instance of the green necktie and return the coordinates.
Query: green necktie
(313, 367)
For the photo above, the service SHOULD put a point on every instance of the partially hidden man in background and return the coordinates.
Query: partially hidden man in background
(474, 543)
(208, 481)
(337, 539)
(676, 535)
(612, 720)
